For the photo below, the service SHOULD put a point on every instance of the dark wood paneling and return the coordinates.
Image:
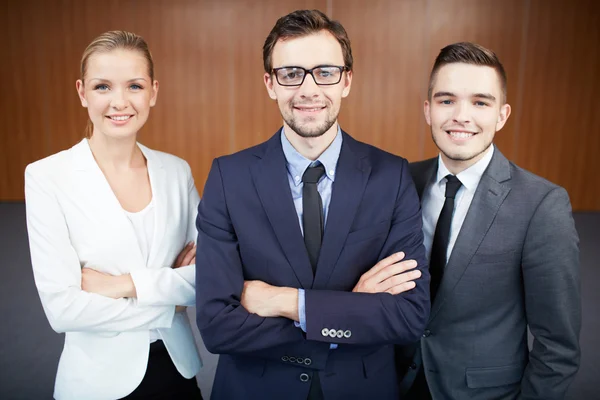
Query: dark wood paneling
(385, 104)
(212, 100)
(559, 133)
(23, 127)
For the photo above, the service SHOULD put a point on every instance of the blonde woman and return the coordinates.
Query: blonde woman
(107, 222)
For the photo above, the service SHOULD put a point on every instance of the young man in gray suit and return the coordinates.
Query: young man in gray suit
(503, 252)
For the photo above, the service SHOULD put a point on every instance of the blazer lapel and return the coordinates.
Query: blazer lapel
(488, 198)
(108, 215)
(352, 175)
(160, 196)
(270, 178)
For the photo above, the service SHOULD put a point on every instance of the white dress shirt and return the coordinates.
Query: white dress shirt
(434, 196)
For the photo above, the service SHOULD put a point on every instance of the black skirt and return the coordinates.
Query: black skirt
(162, 380)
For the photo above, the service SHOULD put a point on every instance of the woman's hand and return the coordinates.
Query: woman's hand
(107, 285)
(187, 256)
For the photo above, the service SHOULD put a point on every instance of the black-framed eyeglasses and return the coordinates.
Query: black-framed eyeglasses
(323, 75)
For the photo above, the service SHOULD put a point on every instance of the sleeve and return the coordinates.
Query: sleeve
(225, 325)
(379, 318)
(302, 316)
(552, 289)
(57, 273)
(168, 286)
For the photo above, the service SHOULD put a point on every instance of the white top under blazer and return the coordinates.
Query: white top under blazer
(74, 221)
(143, 226)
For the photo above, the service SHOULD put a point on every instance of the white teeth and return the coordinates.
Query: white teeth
(461, 135)
(311, 109)
(120, 117)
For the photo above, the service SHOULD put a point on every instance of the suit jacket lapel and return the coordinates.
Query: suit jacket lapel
(488, 198)
(351, 177)
(422, 172)
(270, 178)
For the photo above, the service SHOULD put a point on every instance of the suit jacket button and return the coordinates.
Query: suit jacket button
(340, 334)
(325, 332)
(292, 359)
(413, 366)
(332, 332)
(347, 334)
(307, 361)
(304, 377)
(427, 333)
(300, 360)
(285, 358)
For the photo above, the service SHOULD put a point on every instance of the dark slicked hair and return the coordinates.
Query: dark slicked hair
(302, 23)
(468, 53)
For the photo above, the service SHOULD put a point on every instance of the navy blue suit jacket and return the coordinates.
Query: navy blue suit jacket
(248, 229)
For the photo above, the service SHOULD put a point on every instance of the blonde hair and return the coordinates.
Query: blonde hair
(113, 40)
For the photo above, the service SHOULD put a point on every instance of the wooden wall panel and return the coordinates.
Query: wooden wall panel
(560, 134)
(22, 125)
(384, 107)
(194, 65)
(490, 23)
(212, 100)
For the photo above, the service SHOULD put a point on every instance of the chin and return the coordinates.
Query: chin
(121, 134)
(464, 154)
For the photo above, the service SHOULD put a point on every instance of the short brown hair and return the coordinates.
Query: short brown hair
(302, 23)
(468, 53)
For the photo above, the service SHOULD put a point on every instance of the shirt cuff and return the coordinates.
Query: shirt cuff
(301, 311)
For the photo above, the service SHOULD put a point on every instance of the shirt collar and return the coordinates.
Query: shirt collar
(296, 163)
(471, 176)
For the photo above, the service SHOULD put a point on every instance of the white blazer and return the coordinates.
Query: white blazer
(74, 220)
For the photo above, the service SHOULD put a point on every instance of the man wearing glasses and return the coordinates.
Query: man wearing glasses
(297, 234)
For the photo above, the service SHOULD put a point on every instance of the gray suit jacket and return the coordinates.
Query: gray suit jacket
(515, 264)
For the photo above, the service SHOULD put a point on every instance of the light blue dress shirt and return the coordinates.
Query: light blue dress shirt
(296, 164)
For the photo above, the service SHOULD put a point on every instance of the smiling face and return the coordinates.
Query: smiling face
(309, 110)
(118, 92)
(464, 112)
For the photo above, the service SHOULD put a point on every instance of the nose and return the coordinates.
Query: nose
(461, 113)
(309, 87)
(119, 100)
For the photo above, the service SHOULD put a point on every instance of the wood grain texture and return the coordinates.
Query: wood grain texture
(560, 128)
(23, 126)
(212, 100)
(385, 104)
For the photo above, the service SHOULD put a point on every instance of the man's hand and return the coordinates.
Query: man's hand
(270, 301)
(389, 275)
(187, 256)
(107, 285)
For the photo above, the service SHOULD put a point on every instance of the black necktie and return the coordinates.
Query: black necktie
(439, 248)
(312, 213)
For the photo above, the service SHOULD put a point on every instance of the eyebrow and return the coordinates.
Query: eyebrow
(108, 80)
(444, 94)
(477, 95)
(485, 96)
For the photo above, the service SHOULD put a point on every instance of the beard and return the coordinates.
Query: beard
(305, 129)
